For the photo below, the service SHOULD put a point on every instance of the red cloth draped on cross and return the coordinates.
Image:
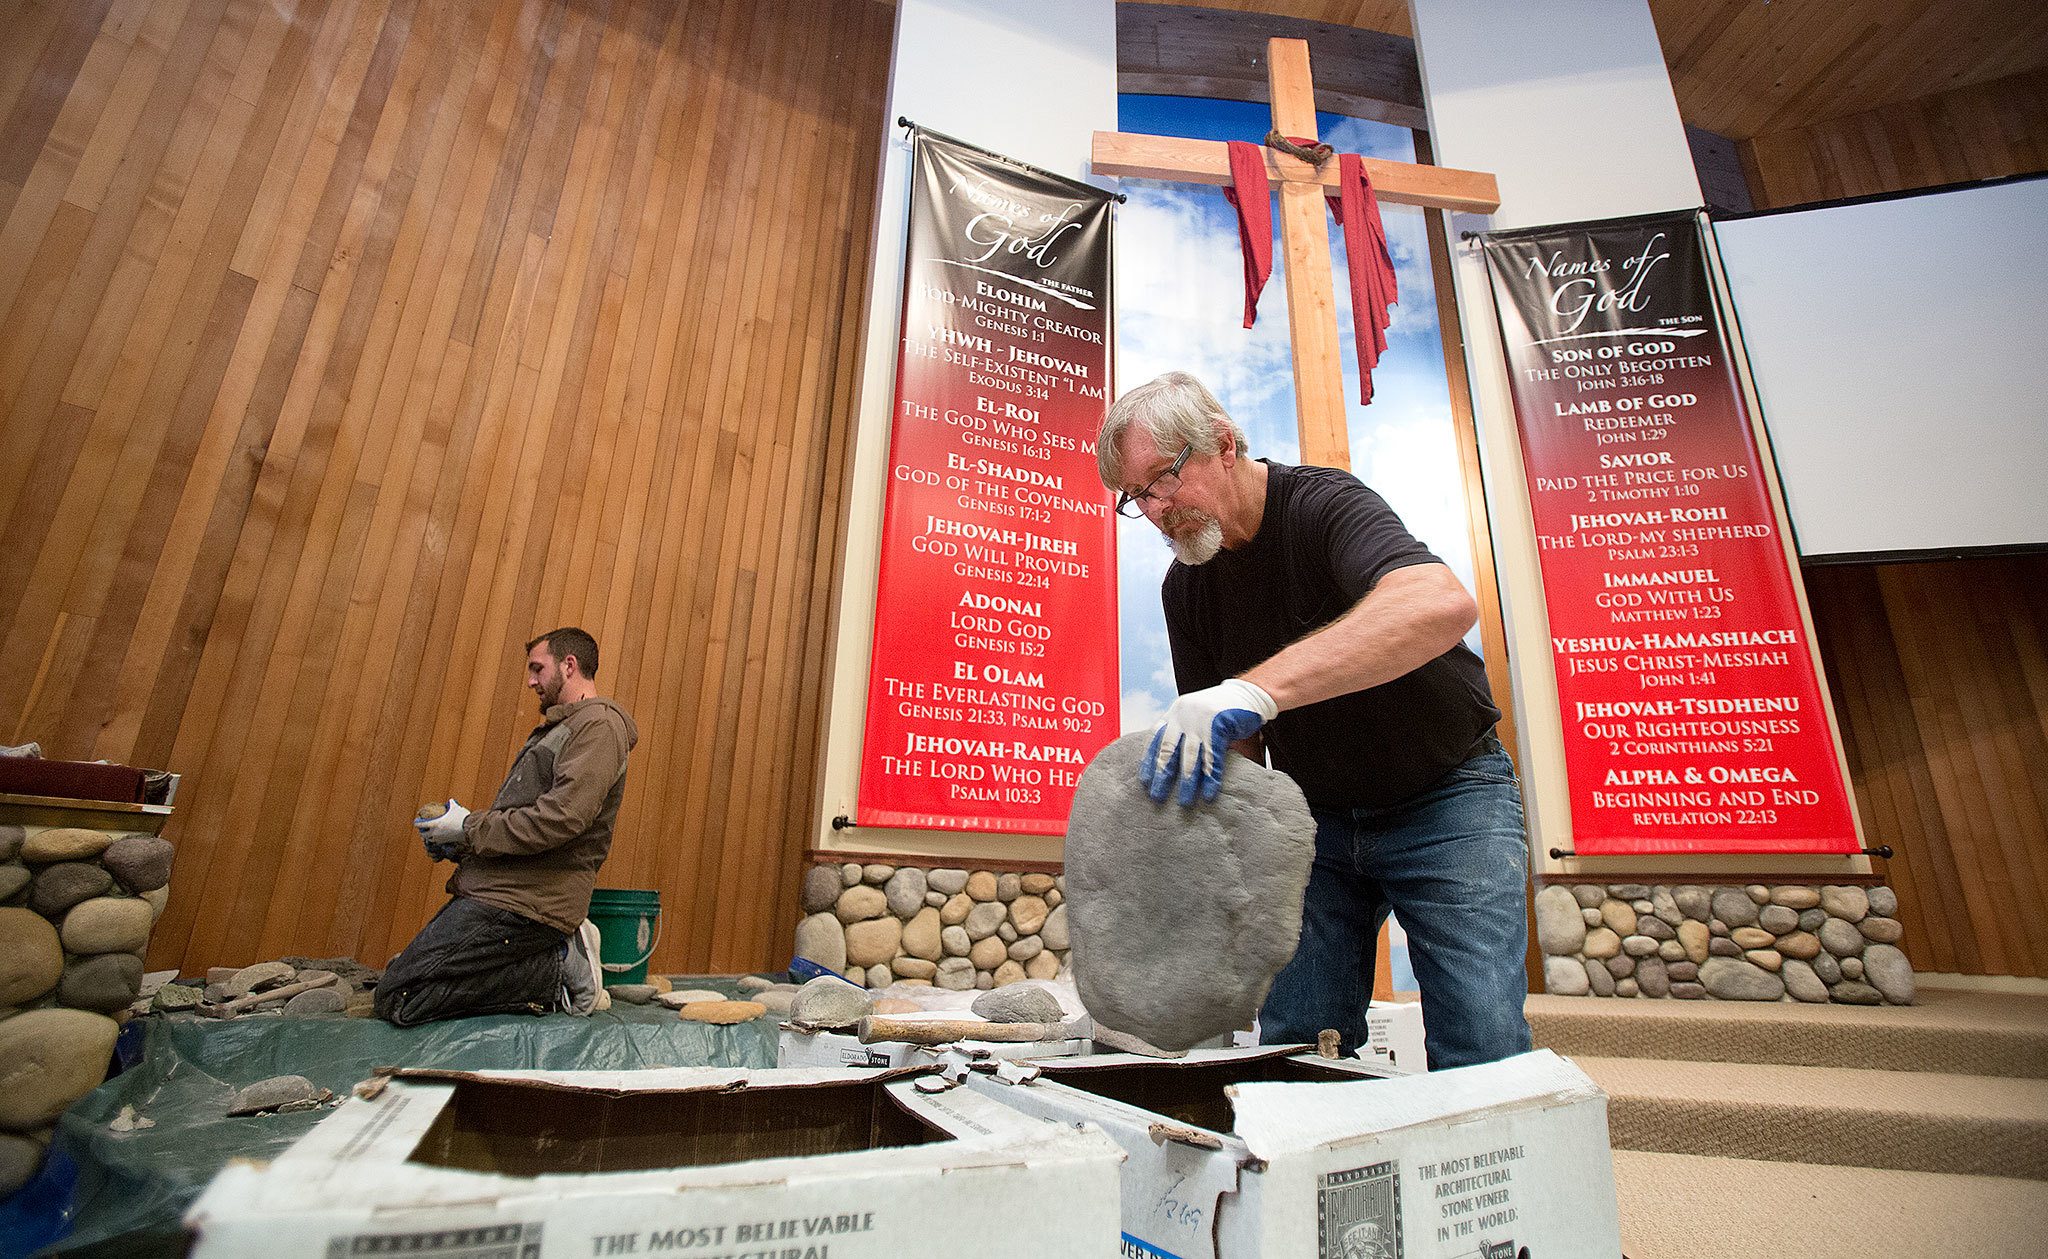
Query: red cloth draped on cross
(1371, 267)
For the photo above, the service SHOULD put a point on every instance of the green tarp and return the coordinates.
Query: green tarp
(134, 1186)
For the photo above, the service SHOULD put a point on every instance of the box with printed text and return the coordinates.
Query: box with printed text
(691, 1163)
(1271, 1153)
(1393, 1035)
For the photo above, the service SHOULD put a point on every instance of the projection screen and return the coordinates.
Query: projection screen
(1900, 348)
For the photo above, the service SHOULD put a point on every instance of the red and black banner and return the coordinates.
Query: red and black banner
(994, 674)
(1693, 718)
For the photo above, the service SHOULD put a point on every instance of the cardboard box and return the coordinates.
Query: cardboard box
(697, 1164)
(1241, 1153)
(1393, 1035)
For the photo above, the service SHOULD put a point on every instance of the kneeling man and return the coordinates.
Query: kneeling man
(507, 941)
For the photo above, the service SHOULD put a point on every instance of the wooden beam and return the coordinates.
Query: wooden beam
(1718, 161)
(1305, 240)
(1207, 162)
(1179, 50)
(1292, 90)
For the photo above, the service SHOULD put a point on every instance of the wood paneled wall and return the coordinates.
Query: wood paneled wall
(1984, 131)
(1940, 678)
(347, 344)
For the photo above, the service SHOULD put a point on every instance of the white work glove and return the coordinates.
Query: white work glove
(1188, 746)
(442, 834)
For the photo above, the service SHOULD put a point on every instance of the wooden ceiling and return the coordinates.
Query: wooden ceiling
(1745, 68)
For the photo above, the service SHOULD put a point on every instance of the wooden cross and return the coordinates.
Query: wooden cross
(1304, 237)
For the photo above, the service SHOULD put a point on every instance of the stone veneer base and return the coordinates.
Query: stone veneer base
(1790, 942)
(77, 904)
(947, 926)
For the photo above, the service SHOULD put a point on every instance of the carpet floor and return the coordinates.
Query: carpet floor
(1777, 1129)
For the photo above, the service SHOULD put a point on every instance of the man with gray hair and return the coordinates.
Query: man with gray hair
(1306, 621)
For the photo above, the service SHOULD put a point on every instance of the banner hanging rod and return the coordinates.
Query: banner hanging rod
(1118, 197)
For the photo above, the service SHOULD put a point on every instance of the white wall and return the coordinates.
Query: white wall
(1567, 102)
(1032, 81)
(1898, 349)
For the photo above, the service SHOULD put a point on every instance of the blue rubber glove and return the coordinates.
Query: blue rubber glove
(1188, 746)
(442, 835)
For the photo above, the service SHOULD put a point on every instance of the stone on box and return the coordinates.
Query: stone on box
(829, 1002)
(1158, 954)
(332, 999)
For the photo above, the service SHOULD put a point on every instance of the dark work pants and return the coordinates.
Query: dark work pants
(473, 958)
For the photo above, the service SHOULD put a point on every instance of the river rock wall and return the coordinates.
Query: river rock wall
(1790, 942)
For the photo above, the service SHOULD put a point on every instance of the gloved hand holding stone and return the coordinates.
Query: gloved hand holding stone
(1189, 744)
(440, 823)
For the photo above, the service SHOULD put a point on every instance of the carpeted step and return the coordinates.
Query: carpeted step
(1922, 1122)
(1684, 1206)
(1955, 1032)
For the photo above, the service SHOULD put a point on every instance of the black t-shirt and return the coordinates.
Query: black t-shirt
(1326, 540)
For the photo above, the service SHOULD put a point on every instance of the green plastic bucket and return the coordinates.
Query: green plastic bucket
(628, 927)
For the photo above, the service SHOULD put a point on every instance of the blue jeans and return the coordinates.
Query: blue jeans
(1453, 862)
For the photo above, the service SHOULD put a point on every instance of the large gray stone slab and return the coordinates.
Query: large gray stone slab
(829, 1002)
(1181, 916)
(1018, 1004)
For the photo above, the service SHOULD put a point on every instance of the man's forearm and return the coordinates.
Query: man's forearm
(1410, 618)
(525, 831)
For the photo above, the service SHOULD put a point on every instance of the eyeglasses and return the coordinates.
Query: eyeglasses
(1159, 487)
